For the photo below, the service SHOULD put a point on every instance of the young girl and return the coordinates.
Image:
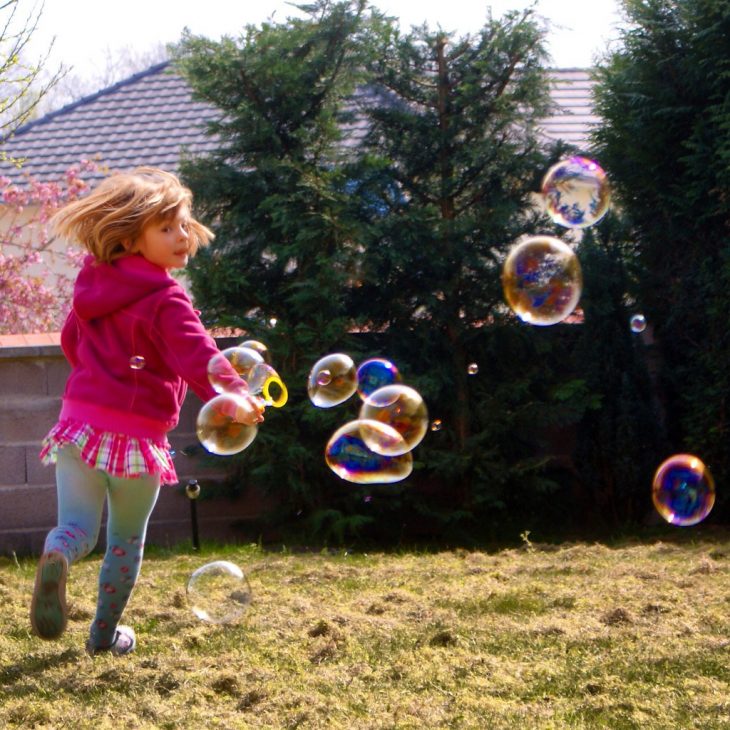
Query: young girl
(133, 341)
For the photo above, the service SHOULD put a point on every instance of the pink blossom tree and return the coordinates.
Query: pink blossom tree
(36, 281)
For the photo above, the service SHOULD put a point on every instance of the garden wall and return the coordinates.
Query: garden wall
(33, 372)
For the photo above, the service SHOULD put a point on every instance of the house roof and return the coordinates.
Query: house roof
(149, 118)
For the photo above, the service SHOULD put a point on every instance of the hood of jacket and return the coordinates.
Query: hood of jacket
(103, 288)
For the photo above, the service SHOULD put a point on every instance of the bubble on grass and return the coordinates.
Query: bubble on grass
(375, 373)
(576, 192)
(137, 362)
(683, 490)
(542, 280)
(348, 456)
(472, 369)
(332, 380)
(637, 323)
(217, 429)
(400, 407)
(219, 592)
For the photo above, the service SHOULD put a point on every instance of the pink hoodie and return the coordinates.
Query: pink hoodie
(133, 340)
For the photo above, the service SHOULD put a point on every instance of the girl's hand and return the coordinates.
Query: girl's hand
(249, 410)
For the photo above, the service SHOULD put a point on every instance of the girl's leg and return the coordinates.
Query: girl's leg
(131, 502)
(81, 493)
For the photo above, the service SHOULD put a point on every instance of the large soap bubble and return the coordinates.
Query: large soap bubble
(683, 490)
(349, 457)
(576, 192)
(218, 592)
(217, 428)
(400, 407)
(242, 359)
(542, 280)
(332, 380)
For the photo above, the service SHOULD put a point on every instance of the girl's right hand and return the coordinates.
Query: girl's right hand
(249, 410)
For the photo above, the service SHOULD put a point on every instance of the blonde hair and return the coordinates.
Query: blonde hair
(108, 220)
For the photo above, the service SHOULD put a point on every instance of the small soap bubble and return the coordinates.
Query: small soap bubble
(637, 323)
(217, 430)
(576, 192)
(348, 457)
(473, 368)
(683, 490)
(400, 407)
(219, 592)
(375, 373)
(137, 362)
(542, 280)
(436, 424)
(332, 380)
(273, 322)
(259, 347)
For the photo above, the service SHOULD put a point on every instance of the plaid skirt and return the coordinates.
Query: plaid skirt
(115, 453)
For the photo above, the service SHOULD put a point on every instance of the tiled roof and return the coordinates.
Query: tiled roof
(148, 118)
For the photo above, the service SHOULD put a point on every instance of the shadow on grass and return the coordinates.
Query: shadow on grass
(33, 664)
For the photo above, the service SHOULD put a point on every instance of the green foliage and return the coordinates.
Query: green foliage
(663, 95)
(393, 247)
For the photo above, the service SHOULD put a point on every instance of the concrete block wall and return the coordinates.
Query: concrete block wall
(32, 379)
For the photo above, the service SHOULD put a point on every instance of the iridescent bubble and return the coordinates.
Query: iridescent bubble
(683, 490)
(192, 489)
(260, 347)
(473, 368)
(137, 362)
(375, 373)
(332, 380)
(400, 407)
(219, 592)
(436, 424)
(576, 192)
(242, 359)
(542, 280)
(348, 457)
(637, 323)
(218, 431)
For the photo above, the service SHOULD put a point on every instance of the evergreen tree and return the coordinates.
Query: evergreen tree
(663, 97)
(274, 194)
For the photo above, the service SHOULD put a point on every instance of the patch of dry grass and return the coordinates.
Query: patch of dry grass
(572, 636)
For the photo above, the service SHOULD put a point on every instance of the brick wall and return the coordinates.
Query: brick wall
(32, 377)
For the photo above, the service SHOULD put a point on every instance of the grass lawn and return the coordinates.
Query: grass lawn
(628, 635)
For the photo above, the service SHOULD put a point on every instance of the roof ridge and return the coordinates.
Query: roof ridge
(156, 68)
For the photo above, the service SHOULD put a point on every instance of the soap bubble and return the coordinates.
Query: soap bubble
(218, 431)
(637, 323)
(542, 280)
(259, 347)
(348, 456)
(242, 359)
(219, 592)
(473, 368)
(375, 373)
(436, 424)
(137, 362)
(683, 490)
(400, 407)
(576, 192)
(332, 380)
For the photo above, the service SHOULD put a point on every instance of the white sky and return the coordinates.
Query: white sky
(85, 29)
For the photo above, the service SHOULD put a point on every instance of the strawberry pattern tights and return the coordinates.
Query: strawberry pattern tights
(82, 492)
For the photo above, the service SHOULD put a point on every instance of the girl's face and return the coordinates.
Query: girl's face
(165, 242)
